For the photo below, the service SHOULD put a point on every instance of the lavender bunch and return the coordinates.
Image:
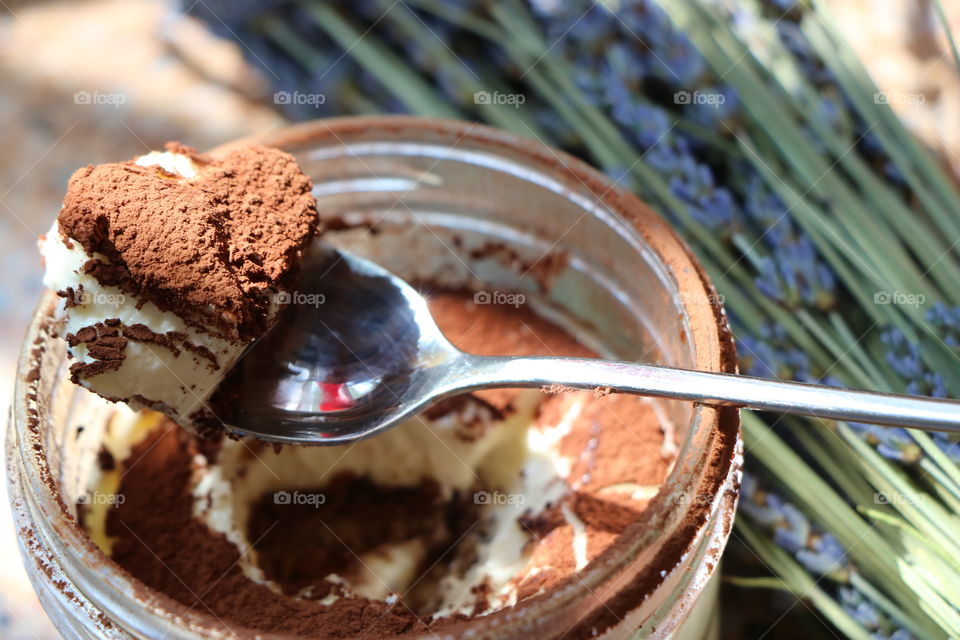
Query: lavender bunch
(817, 552)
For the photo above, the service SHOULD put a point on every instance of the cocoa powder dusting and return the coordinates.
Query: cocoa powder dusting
(621, 437)
(498, 330)
(210, 248)
(298, 545)
(158, 541)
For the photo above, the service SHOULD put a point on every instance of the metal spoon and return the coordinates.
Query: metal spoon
(357, 352)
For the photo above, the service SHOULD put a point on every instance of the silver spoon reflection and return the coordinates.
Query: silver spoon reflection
(357, 352)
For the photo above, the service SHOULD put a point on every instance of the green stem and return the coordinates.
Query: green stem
(799, 582)
(383, 64)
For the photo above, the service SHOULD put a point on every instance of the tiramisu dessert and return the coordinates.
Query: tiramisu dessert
(170, 265)
(481, 502)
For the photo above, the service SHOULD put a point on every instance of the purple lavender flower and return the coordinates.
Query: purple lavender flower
(792, 273)
(694, 184)
(795, 276)
(772, 355)
(764, 509)
(796, 43)
(892, 443)
(946, 320)
(874, 620)
(793, 531)
(824, 555)
(646, 123)
(819, 552)
(904, 358)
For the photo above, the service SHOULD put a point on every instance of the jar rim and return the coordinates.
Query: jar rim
(710, 341)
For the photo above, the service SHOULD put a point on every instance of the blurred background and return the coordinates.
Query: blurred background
(103, 80)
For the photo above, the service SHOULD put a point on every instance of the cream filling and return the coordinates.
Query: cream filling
(519, 465)
(175, 163)
(124, 429)
(517, 461)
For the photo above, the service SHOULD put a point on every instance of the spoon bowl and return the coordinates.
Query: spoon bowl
(355, 352)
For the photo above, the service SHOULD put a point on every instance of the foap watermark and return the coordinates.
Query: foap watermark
(899, 298)
(296, 498)
(499, 498)
(95, 498)
(499, 297)
(496, 97)
(77, 297)
(300, 298)
(894, 498)
(299, 97)
(711, 98)
(898, 97)
(99, 98)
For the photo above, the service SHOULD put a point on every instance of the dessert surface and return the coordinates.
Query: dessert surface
(484, 501)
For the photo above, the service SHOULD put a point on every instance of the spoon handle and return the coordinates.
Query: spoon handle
(719, 389)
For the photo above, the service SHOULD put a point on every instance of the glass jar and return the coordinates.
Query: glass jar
(468, 204)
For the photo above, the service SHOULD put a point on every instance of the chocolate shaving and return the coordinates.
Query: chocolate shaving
(104, 344)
